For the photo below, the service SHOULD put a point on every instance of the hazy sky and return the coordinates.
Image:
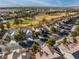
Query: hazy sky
(9, 3)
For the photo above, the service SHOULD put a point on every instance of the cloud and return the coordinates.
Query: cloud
(27, 3)
(34, 2)
(39, 3)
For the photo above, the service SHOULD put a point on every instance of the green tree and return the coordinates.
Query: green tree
(34, 47)
(20, 21)
(19, 36)
(36, 34)
(69, 19)
(2, 27)
(53, 29)
(16, 21)
(64, 40)
(73, 33)
(44, 20)
(50, 42)
(8, 25)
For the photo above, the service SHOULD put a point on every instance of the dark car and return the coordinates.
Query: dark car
(63, 33)
(26, 43)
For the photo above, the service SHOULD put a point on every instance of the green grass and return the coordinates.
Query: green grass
(24, 21)
(27, 21)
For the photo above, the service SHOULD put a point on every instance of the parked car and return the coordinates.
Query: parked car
(26, 43)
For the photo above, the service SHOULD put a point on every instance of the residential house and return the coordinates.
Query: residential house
(47, 52)
(19, 54)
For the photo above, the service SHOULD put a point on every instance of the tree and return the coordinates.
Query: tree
(19, 36)
(2, 27)
(16, 21)
(8, 25)
(62, 26)
(20, 21)
(53, 29)
(34, 47)
(69, 19)
(50, 42)
(44, 20)
(36, 34)
(73, 33)
(64, 40)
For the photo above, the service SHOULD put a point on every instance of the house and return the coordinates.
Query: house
(47, 52)
(29, 32)
(37, 30)
(7, 35)
(13, 45)
(10, 32)
(70, 53)
(74, 28)
(19, 54)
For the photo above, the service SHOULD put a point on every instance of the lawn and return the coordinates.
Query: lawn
(38, 19)
(27, 21)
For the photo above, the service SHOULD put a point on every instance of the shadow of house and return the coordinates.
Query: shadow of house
(15, 55)
(76, 55)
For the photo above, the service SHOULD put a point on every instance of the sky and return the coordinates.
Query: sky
(51, 3)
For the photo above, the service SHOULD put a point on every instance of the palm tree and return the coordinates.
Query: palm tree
(65, 42)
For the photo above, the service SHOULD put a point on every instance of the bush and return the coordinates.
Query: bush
(8, 25)
(73, 33)
(19, 36)
(50, 42)
(34, 47)
(36, 34)
(2, 27)
(64, 40)
(53, 29)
